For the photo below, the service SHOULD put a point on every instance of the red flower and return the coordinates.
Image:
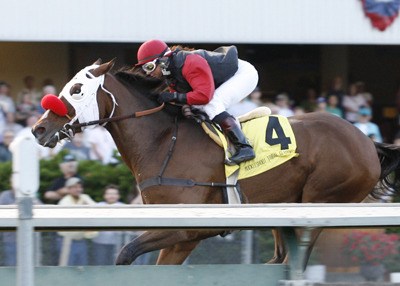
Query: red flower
(370, 248)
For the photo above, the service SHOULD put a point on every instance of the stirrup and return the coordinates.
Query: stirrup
(231, 161)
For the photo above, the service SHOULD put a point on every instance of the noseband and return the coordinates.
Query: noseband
(68, 128)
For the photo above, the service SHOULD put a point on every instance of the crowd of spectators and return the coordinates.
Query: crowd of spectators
(354, 104)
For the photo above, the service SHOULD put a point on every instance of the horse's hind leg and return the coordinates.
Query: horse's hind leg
(280, 254)
(310, 244)
(280, 251)
(177, 253)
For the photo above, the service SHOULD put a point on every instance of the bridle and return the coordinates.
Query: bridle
(72, 127)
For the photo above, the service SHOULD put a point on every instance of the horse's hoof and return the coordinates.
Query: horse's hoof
(123, 258)
(275, 260)
(122, 261)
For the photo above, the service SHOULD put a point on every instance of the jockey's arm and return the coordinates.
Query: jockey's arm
(197, 73)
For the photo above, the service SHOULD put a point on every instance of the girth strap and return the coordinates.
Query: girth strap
(163, 181)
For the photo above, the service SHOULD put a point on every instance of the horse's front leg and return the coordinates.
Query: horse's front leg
(148, 241)
(177, 253)
(181, 242)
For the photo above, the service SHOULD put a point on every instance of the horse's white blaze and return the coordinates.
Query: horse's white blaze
(45, 114)
(84, 103)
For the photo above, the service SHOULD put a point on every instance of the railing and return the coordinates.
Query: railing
(285, 216)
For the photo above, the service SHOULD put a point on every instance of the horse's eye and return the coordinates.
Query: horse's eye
(76, 91)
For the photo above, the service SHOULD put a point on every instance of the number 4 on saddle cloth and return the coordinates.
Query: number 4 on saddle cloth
(271, 136)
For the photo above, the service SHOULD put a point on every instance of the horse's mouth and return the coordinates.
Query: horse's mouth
(44, 139)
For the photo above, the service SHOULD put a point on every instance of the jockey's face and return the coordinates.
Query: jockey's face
(156, 73)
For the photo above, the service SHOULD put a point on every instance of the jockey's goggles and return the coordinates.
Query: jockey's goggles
(150, 66)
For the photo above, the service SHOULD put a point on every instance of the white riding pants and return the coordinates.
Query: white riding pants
(240, 85)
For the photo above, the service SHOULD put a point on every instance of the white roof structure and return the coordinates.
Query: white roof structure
(206, 21)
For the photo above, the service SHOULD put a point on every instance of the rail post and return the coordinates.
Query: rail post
(25, 182)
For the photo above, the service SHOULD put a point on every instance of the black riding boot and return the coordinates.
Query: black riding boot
(244, 151)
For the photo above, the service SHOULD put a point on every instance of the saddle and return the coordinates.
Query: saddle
(211, 129)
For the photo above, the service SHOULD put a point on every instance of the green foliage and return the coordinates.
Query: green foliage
(5, 175)
(95, 175)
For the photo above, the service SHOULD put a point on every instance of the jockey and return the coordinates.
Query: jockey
(211, 81)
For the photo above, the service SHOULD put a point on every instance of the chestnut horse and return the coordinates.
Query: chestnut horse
(336, 163)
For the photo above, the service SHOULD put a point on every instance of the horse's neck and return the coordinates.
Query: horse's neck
(139, 140)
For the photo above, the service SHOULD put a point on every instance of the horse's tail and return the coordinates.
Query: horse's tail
(389, 180)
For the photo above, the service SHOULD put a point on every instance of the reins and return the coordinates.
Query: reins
(116, 118)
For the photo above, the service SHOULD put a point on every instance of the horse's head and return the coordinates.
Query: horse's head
(77, 103)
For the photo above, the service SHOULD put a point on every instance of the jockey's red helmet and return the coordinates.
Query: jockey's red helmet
(151, 50)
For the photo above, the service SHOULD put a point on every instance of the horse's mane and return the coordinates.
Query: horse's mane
(137, 79)
(181, 48)
(148, 87)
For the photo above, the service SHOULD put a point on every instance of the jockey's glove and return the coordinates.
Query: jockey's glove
(172, 96)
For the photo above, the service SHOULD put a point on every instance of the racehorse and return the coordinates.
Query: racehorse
(336, 164)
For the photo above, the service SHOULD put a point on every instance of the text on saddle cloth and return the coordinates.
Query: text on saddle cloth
(273, 141)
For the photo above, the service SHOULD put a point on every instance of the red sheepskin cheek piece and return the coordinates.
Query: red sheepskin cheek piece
(52, 102)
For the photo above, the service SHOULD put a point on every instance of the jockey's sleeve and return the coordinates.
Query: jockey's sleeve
(197, 73)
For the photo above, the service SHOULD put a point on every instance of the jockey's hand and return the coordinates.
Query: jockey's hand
(172, 96)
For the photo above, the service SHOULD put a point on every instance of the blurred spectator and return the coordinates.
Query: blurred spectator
(352, 103)
(5, 153)
(321, 104)
(69, 169)
(2, 124)
(102, 146)
(247, 104)
(309, 104)
(366, 126)
(333, 105)
(105, 243)
(298, 110)
(74, 248)
(7, 104)
(29, 91)
(367, 96)
(256, 96)
(77, 148)
(11, 124)
(337, 88)
(25, 109)
(283, 103)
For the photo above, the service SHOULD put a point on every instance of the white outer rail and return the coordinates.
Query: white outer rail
(208, 216)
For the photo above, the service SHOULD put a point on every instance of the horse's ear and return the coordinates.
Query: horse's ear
(104, 68)
(98, 62)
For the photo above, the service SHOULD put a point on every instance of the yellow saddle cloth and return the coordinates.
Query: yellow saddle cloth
(273, 141)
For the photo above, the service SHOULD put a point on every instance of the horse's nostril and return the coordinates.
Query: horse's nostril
(39, 131)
